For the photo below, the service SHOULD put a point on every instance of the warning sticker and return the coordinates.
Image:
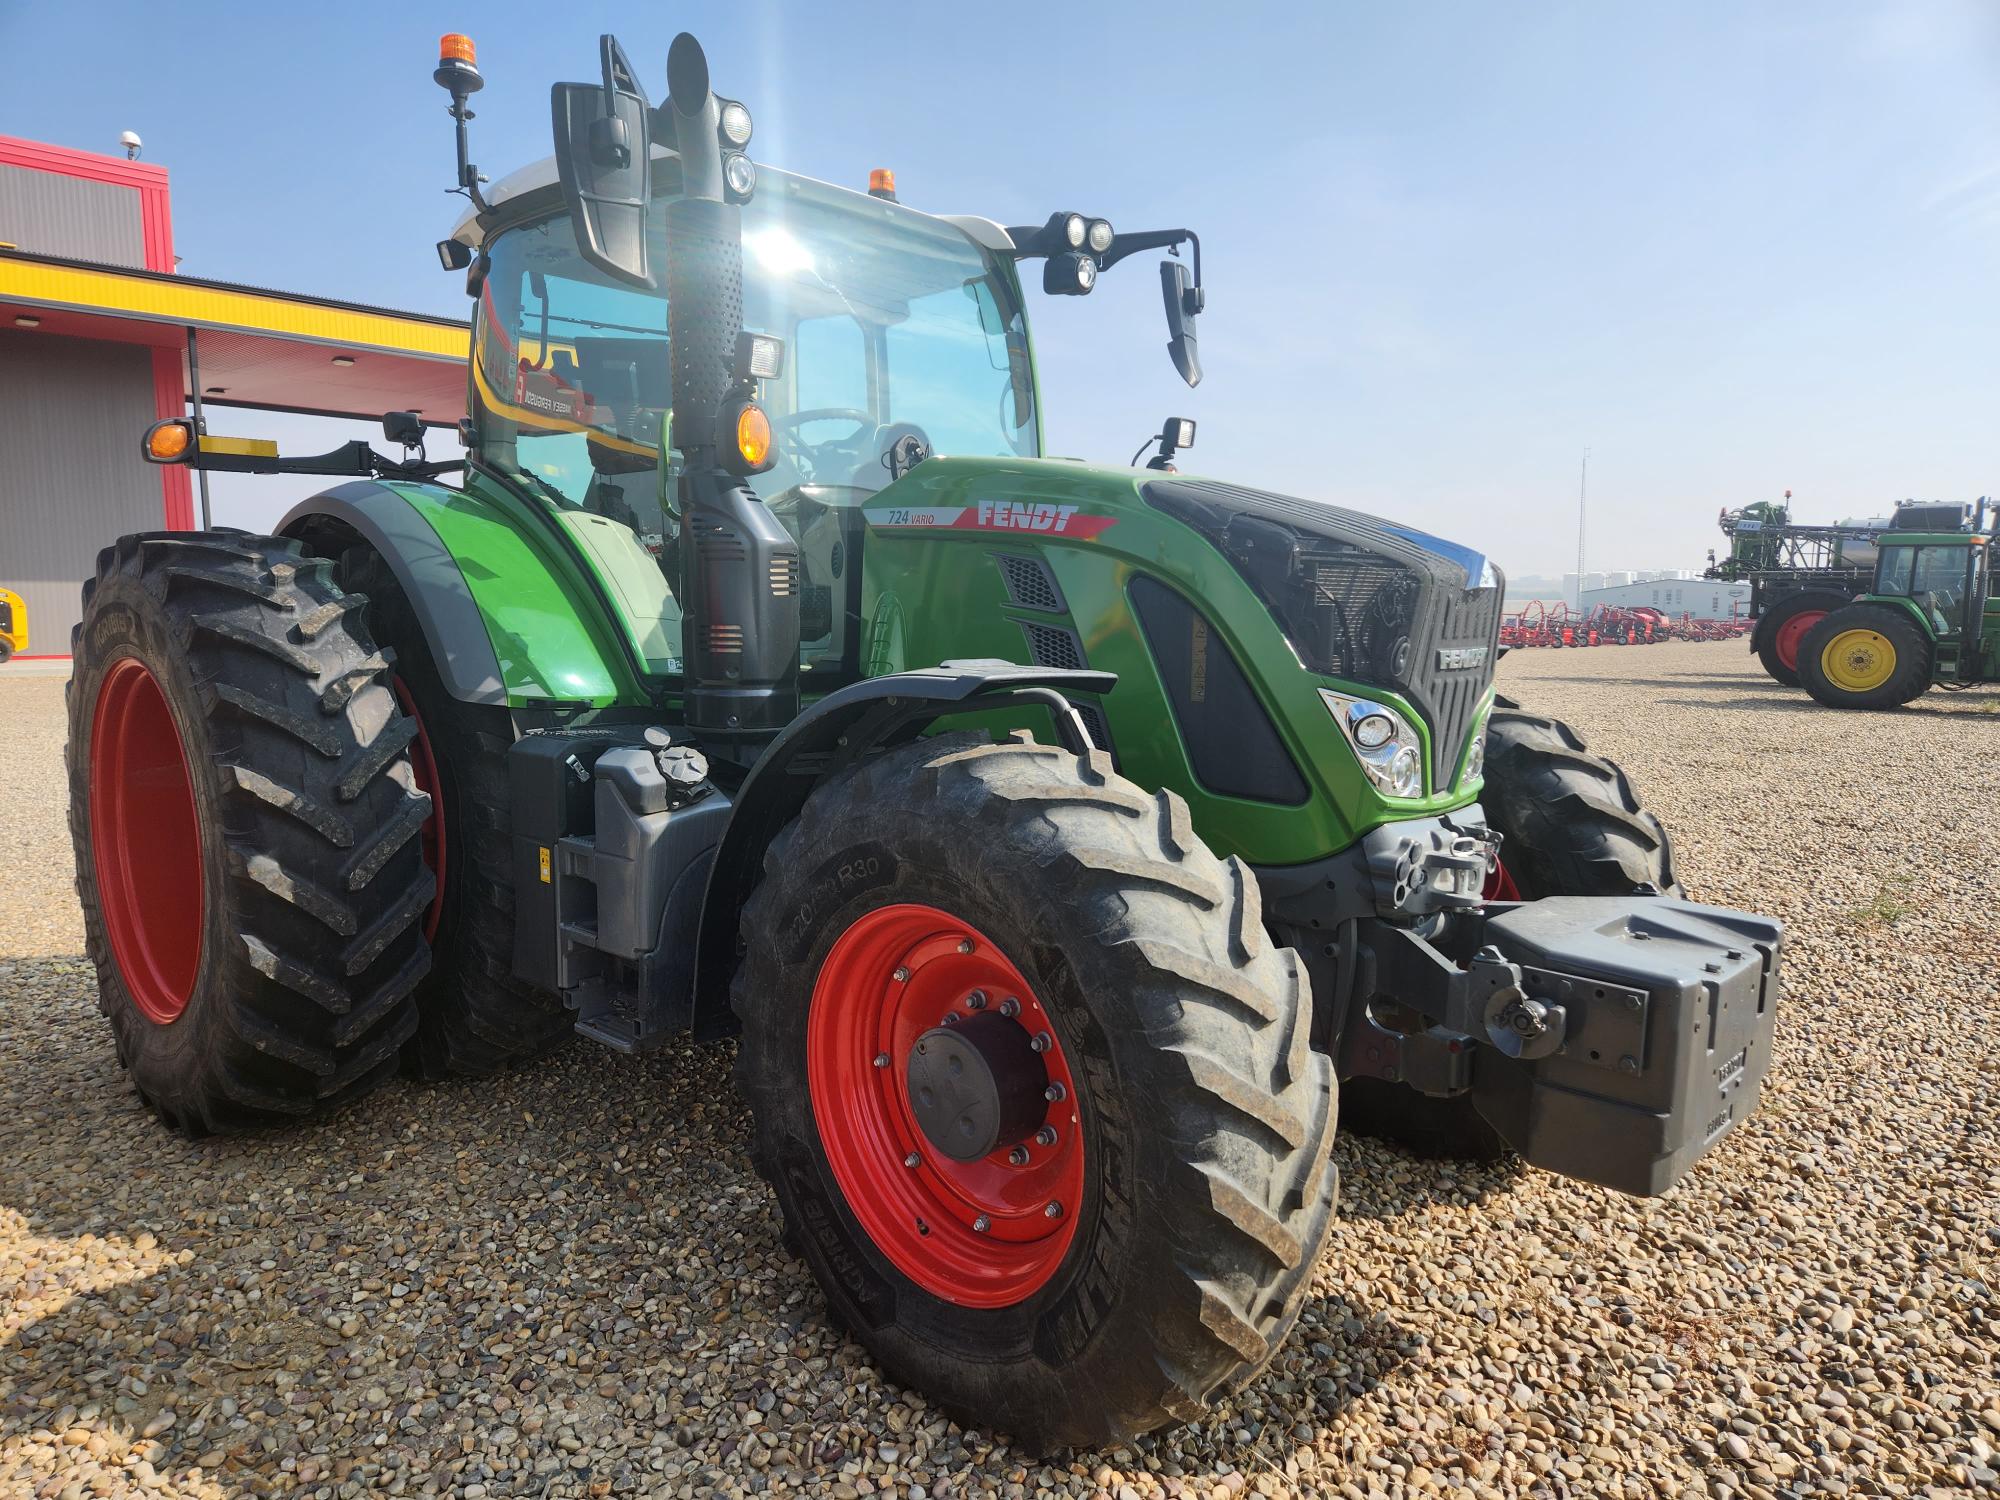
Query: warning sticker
(1035, 516)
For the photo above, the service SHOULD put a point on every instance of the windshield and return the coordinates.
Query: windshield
(896, 325)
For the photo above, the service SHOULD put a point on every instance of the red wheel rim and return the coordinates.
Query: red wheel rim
(145, 841)
(891, 977)
(424, 763)
(1786, 642)
(1500, 885)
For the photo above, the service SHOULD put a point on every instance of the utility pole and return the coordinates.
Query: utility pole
(1582, 496)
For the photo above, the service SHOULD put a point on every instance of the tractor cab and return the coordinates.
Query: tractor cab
(1941, 576)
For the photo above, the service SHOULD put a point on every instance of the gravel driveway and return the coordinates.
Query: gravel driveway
(569, 1281)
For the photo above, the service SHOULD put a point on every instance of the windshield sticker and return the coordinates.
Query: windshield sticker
(997, 515)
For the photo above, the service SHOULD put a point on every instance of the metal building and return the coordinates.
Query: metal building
(1703, 598)
(100, 337)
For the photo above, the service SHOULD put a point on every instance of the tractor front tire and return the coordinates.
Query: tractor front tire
(1866, 656)
(1783, 627)
(1138, 1232)
(247, 829)
(475, 1017)
(1570, 825)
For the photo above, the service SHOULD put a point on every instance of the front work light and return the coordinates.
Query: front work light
(734, 125)
(1075, 229)
(1388, 747)
(1100, 236)
(759, 356)
(741, 175)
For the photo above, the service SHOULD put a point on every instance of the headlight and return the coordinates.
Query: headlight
(1100, 236)
(1475, 756)
(1374, 731)
(1388, 747)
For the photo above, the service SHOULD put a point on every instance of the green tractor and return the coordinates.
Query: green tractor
(1051, 837)
(1927, 620)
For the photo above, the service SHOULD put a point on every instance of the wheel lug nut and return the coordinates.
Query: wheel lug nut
(950, 1018)
(913, 1160)
(1010, 1006)
(1053, 1211)
(1046, 1136)
(1055, 1093)
(881, 1059)
(965, 945)
(981, 1224)
(1018, 1156)
(1042, 1042)
(976, 1000)
(902, 976)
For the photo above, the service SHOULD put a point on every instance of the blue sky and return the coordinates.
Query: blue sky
(1732, 249)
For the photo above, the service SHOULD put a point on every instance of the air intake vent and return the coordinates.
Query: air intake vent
(784, 576)
(1030, 585)
(726, 638)
(1052, 646)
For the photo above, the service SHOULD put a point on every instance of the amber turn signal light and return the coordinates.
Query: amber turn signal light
(753, 436)
(168, 442)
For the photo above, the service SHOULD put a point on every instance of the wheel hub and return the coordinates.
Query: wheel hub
(977, 1086)
(975, 1191)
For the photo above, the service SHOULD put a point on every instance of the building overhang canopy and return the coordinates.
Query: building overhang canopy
(256, 348)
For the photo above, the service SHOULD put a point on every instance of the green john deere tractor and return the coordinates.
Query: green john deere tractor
(1927, 620)
(1053, 837)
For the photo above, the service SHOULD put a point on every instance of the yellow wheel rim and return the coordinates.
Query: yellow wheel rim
(1858, 660)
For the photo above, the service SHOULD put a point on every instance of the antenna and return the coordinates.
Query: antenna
(129, 139)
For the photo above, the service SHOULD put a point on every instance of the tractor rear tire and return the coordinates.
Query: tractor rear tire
(247, 829)
(1892, 645)
(1783, 628)
(1151, 1246)
(475, 1017)
(1570, 825)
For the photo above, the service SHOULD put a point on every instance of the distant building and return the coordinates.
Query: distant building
(1676, 594)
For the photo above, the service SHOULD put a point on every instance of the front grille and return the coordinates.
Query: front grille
(1360, 598)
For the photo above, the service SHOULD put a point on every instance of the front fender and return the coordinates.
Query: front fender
(877, 711)
(507, 621)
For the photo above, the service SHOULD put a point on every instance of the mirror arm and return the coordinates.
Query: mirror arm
(1123, 245)
(354, 459)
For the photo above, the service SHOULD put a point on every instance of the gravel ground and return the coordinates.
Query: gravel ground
(569, 1282)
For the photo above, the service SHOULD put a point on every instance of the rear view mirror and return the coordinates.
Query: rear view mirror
(604, 159)
(1183, 300)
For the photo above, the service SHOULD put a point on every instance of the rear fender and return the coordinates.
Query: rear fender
(505, 623)
(876, 712)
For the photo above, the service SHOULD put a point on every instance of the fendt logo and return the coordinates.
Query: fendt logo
(1017, 515)
(1460, 658)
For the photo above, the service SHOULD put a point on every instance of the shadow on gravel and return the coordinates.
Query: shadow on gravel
(1379, 1181)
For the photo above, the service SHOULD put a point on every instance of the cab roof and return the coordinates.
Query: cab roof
(539, 177)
